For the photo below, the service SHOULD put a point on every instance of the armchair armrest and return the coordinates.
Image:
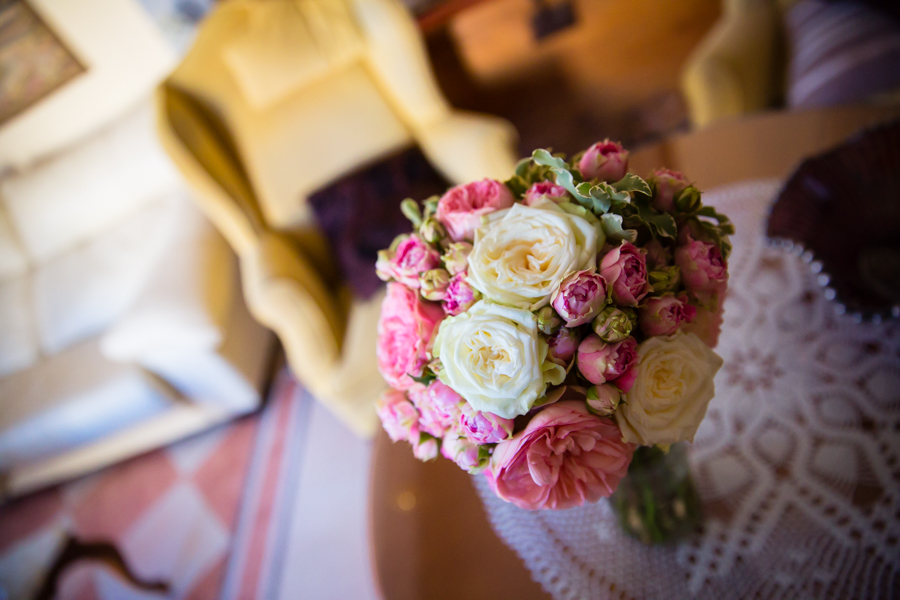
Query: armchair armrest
(464, 146)
(737, 68)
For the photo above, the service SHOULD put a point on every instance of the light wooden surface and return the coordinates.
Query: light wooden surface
(430, 537)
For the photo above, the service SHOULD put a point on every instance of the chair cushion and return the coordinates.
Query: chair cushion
(18, 342)
(80, 193)
(840, 52)
(13, 260)
(82, 292)
(284, 45)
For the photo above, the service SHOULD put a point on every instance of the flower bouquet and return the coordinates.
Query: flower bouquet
(554, 332)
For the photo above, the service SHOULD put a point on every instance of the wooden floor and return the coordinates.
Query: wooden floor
(614, 73)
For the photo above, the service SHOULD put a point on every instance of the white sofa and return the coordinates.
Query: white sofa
(122, 325)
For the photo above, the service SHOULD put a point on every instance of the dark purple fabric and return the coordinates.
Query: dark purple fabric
(360, 213)
(840, 52)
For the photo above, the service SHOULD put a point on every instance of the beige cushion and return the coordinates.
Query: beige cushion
(84, 291)
(315, 135)
(18, 342)
(82, 192)
(286, 45)
(13, 260)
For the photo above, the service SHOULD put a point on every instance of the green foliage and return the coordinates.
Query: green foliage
(410, 210)
(612, 227)
(427, 377)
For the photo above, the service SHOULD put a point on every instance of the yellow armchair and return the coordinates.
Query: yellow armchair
(738, 67)
(278, 98)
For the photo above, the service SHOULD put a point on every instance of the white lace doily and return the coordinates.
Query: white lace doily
(796, 461)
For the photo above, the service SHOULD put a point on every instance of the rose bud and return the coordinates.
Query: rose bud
(602, 400)
(483, 427)
(563, 346)
(663, 316)
(703, 270)
(614, 324)
(666, 184)
(408, 257)
(545, 190)
(432, 231)
(459, 296)
(398, 416)
(600, 362)
(433, 284)
(456, 257)
(625, 271)
(606, 160)
(548, 321)
(656, 255)
(460, 209)
(426, 448)
(664, 280)
(579, 297)
(463, 452)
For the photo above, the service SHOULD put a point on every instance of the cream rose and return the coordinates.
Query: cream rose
(522, 254)
(673, 388)
(495, 358)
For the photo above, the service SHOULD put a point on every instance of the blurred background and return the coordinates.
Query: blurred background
(192, 194)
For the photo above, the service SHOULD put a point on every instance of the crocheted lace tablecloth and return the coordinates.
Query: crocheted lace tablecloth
(796, 461)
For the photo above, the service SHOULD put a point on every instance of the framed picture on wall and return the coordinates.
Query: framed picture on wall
(68, 67)
(33, 60)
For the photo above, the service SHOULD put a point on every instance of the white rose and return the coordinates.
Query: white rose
(673, 388)
(495, 358)
(521, 254)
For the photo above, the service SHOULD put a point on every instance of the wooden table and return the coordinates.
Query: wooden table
(430, 537)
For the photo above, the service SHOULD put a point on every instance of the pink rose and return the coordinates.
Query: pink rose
(461, 208)
(564, 458)
(439, 407)
(461, 451)
(425, 448)
(545, 189)
(459, 296)
(663, 316)
(484, 427)
(398, 416)
(704, 270)
(405, 328)
(606, 160)
(563, 345)
(707, 325)
(409, 259)
(667, 184)
(625, 271)
(600, 362)
(579, 297)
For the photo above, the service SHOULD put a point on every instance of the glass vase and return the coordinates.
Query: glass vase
(657, 501)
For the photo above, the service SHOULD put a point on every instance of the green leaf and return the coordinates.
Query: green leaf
(633, 183)
(426, 378)
(522, 167)
(687, 201)
(543, 157)
(410, 210)
(612, 227)
(659, 223)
